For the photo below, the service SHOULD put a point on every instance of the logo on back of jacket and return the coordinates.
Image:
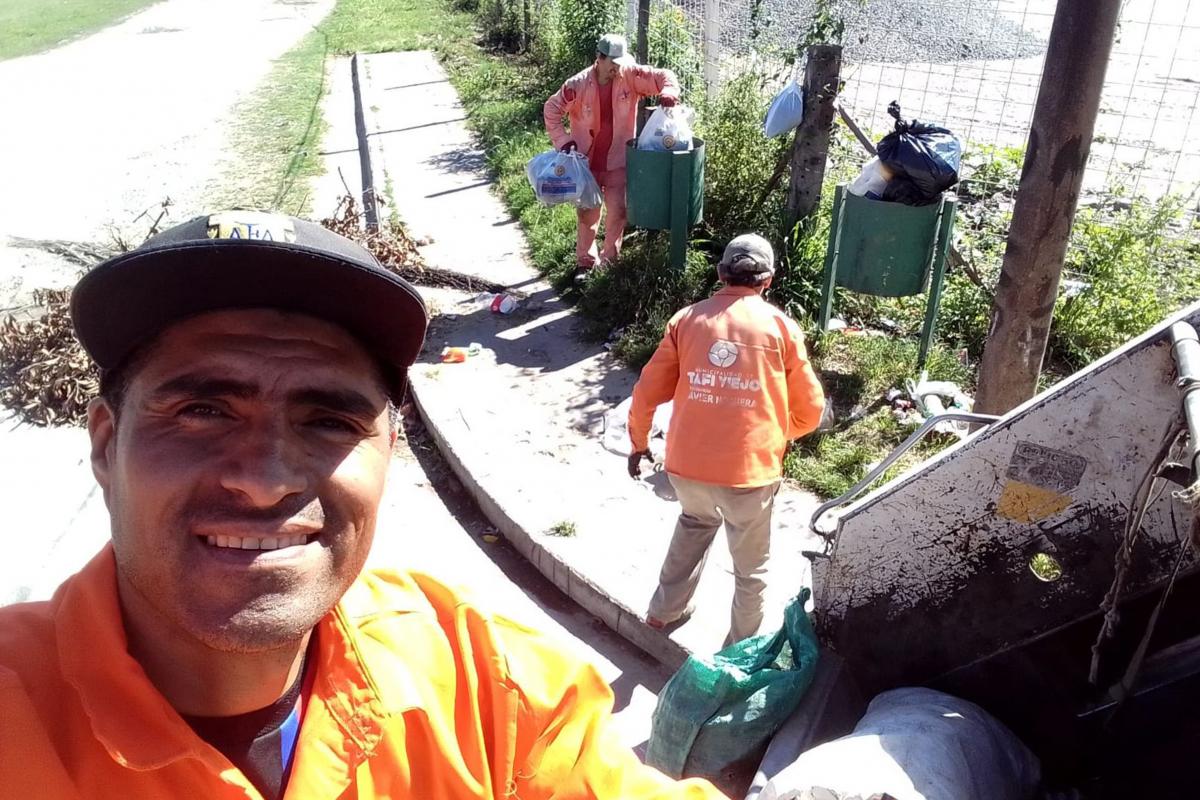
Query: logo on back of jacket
(722, 386)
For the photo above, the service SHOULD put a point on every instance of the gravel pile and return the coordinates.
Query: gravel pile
(895, 31)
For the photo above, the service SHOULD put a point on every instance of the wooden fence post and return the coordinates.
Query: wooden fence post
(642, 48)
(810, 149)
(642, 52)
(527, 31)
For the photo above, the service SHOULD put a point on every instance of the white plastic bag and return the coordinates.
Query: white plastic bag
(558, 177)
(786, 111)
(871, 181)
(917, 744)
(616, 429)
(667, 129)
(590, 195)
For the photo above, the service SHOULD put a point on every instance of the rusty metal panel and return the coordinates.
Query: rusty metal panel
(933, 571)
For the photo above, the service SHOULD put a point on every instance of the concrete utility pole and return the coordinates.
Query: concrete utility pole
(712, 48)
(810, 149)
(1055, 156)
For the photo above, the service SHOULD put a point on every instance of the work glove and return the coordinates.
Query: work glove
(569, 147)
(635, 462)
(666, 102)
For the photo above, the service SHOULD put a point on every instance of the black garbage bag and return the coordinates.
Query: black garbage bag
(924, 160)
(902, 189)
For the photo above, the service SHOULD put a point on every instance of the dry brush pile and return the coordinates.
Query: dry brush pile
(397, 251)
(46, 378)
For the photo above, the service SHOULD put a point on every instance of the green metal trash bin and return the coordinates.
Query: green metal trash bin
(888, 250)
(665, 191)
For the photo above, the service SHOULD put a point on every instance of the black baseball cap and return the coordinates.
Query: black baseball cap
(248, 259)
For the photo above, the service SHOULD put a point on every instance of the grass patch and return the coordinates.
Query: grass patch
(276, 142)
(380, 26)
(276, 139)
(31, 26)
(503, 97)
(857, 372)
(565, 529)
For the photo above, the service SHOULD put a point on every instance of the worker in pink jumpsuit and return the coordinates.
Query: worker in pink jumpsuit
(601, 105)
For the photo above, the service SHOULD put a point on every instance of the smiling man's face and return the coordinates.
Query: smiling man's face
(243, 472)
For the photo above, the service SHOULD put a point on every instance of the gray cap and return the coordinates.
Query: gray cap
(748, 254)
(614, 46)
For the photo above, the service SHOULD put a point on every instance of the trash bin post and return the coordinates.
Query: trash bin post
(888, 250)
(941, 250)
(831, 259)
(681, 196)
(665, 192)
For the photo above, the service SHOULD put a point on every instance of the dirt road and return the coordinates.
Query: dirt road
(107, 126)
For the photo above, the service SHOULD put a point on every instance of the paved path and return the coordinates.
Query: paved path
(521, 423)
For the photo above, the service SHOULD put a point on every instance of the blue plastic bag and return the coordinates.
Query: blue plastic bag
(924, 159)
(559, 178)
(721, 710)
(786, 111)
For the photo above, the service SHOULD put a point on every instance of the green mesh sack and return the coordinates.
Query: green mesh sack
(719, 710)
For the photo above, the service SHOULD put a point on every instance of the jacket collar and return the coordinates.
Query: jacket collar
(136, 724)
(738, 291)
(593, 80)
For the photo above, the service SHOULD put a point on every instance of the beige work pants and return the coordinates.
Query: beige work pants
(747, 517)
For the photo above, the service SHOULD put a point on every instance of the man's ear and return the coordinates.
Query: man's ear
(102, 429)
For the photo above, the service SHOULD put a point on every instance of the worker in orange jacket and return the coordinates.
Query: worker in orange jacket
(226, 643)
(738, 373)
(601, 105)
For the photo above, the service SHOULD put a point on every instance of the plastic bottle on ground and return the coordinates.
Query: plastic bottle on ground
(504, 304)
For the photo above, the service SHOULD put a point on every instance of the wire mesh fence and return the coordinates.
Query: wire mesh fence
(974, 66)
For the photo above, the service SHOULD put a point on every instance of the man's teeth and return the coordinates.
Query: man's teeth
(257, 543)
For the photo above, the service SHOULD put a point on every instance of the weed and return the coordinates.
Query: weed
(857, 372)
(576, 27)
(277, 134)
(1131, 272)
(670, 43)
(741, 162)
(380, 26)
(641, 293)
(564, 528)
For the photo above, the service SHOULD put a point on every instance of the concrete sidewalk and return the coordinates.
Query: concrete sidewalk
(521, 423)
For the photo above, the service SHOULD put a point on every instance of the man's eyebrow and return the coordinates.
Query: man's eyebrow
(345, 401)
(206, 386)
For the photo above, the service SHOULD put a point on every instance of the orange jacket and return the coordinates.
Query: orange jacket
(738, 372)
(579, 101)
(417, 694)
